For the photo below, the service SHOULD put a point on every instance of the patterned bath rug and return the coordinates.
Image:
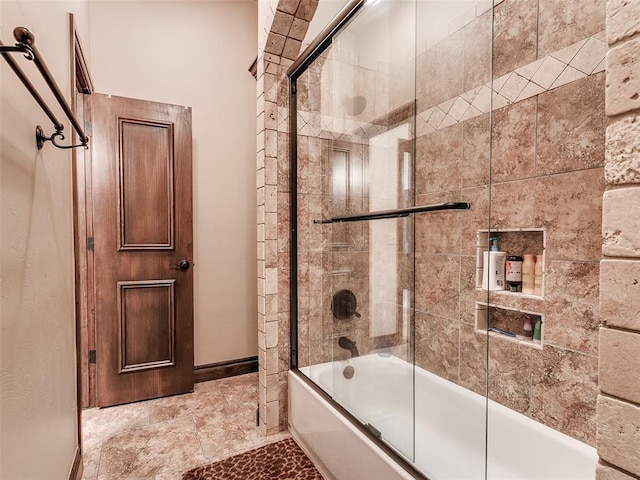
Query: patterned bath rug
(283, 460)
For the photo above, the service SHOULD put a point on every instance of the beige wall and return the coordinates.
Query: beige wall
(198, 54)
(38, 428)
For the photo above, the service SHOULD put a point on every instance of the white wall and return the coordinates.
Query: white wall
(198, 54)
(38, 428)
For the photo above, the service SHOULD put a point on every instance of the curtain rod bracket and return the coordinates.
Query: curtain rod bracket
(41, 138)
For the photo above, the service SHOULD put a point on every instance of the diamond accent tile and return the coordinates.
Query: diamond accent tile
(498, 83)
(458, 109)
(528, 71)
(426, 114)
(303, 117)
(326, 135)
(514, 86)
(499, 101)
(530, 90)
(568, 75)
(471, 113)
(482, 102)
(566, 54)
(371, 130)
(447, 122)
(326, 122)
(427, 129)
(548, 72)
(589, 56)
(305, 130)
(446, 106)
(436, 118)
(470, 96)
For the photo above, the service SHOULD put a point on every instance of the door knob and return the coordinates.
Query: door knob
(183, 265)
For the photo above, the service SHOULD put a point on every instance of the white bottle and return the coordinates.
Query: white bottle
(538, 272)
(528, 274)
(493, 264)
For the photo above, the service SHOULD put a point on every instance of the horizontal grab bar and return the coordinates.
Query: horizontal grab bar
(399, 212)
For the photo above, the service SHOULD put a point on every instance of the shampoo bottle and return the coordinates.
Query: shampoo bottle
(528, 274)
(493, 267)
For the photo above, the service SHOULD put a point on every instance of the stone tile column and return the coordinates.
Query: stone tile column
(618, 417)
(280, 42)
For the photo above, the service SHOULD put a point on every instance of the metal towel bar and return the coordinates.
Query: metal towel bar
(399, 212)
(26, 45)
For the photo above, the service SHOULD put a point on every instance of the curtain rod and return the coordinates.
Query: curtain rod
(26, 45)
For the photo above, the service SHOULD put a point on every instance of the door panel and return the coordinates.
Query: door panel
(147, 324)
(145, 184)
(142, 217)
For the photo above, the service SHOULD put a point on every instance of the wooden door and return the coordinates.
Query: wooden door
(142, 225)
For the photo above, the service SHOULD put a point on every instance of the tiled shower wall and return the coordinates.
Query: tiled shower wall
(548, 134)
(546, 172)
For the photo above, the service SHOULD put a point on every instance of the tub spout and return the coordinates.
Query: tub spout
(347, 344)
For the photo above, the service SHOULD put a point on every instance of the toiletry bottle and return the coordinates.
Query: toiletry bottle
(538, 276)
(528, 274)
(493, 267)
(537, 332)
(514, 272)
(527, 328)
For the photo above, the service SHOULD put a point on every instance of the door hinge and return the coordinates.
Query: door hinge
(294, 88)
(90, 244)
(92, 356)
(87, 128)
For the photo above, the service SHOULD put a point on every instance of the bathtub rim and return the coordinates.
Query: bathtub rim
(400, 460)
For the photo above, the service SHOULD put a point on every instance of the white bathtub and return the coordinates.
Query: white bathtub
(450, 429)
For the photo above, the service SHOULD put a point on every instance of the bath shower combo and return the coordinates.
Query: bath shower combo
(395, 370)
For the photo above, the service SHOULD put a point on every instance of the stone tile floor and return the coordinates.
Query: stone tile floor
(163, 438)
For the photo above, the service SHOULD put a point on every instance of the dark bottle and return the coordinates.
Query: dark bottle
(514, 272)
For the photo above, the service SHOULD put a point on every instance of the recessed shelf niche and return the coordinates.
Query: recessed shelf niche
(512, 242)
(510, 320)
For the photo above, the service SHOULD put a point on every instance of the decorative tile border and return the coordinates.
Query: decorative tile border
(575, 62)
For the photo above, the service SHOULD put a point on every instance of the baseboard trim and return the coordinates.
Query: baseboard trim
(230, 368)
(76, 467)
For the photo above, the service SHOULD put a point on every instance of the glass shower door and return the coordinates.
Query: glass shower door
(392, 115)
(355, 278)
(371, 259)
(452, 152)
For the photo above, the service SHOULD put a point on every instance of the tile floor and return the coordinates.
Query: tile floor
(161, 439)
